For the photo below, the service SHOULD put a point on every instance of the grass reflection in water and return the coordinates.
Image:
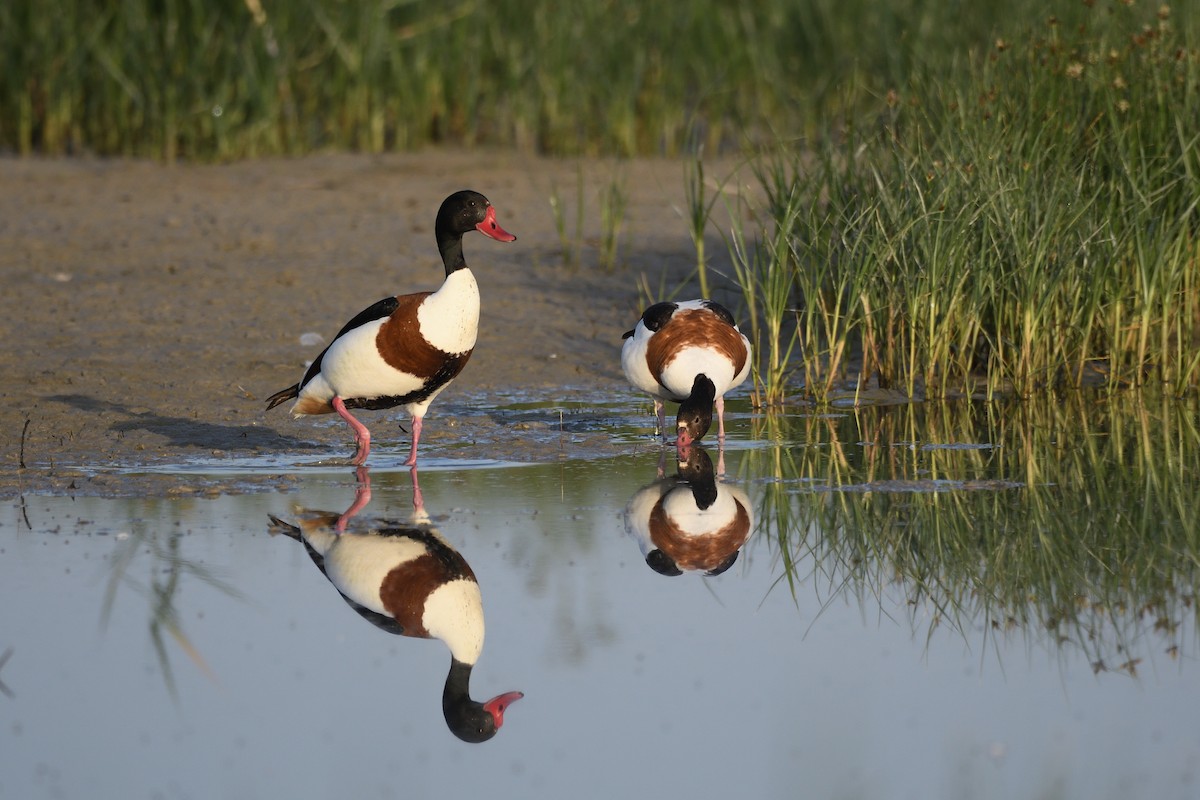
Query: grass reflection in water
(166, 568)
(1074, 522)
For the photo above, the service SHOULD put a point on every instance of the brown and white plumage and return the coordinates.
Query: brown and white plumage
(690, 522)
(406, 579)
(689, 352)
(403, 350)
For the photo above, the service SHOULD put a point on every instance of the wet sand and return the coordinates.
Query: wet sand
(148, 310)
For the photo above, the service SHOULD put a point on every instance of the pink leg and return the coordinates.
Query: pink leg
(362, 496)
(418, 498)
(362, 436)
(416, 437)
(660, 410)
(721, 419)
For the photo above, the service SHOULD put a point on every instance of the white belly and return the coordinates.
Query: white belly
(353, 367)
(357, 564)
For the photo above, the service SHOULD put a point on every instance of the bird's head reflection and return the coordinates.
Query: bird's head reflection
(689, 522)
(406, 579)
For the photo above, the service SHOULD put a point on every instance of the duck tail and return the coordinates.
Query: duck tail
(289, 393)
(278, 526)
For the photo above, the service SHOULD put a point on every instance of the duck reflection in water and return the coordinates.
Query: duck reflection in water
(407, 579)
(689, 522)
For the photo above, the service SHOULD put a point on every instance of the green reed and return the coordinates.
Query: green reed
(701, 199)
(1069, 523)
(614, 202)
(570, 242)
(1028, 225)
(766, 274)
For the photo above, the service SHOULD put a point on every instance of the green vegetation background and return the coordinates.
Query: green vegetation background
(963, 197)
(236, 78)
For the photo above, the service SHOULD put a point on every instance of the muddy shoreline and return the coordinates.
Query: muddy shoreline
(149, 309)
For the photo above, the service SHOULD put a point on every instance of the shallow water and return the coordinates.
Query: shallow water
(927, 605)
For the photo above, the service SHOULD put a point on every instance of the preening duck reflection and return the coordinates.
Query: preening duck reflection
(689, 522)
(406, 579)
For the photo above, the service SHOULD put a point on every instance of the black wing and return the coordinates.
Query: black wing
(721, 311)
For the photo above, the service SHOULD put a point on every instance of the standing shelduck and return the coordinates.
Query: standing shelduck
(690, 353)
(404, 350)
(407, 579)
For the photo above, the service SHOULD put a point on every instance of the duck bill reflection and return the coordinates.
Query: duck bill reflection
(499, 704)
